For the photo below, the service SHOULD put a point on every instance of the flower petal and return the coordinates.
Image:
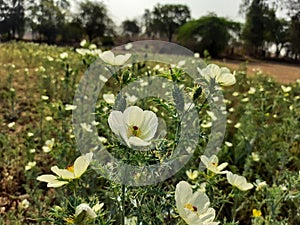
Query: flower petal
(81, 164)
(108, 57)
(62, 173)
(46, 178)
(57, 183)
(136, 141)
(133, 115)
(117, 125)
(149, 126)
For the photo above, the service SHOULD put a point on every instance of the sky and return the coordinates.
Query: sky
(130, 9)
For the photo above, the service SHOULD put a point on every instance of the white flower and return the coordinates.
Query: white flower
(50, 59)
(255, 156)
(97, 207)
(286, 88)
(260, 184)
(10, 125)
(30, 134)
(238, 181)
(64, 55)
(110, 58)
(85, 208)
(128, 46)
(48, 118)
(109, 98)
(24, 204)
(228, 144)
(102, 139)
(211, 164)
(222, 75)
(193, 207)
(131, 220)
(202, 187)
(48, 145)
(70, 107)
(30, 165)
(83, 51)
(245, 100)
(92, 46)
(237, 125)
(64, 176)
(83, 43)
(251, 91)
(134, 126)
(44, 97)
(87, 127)
(206, 124)
(197, 55)
(192, 175)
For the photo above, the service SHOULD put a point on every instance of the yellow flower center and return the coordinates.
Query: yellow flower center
(135, 131)
(71, 168)
(190, 207)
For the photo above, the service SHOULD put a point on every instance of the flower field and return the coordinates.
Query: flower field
(153, 145)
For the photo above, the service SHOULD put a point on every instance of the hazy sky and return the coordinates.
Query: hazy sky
(130, 9)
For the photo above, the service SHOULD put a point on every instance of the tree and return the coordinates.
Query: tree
(209, 33)
(130, 27)
(295, 34)
(276, 31)
(166, 19)
(12, 18)
(95, 20)
(254, 29)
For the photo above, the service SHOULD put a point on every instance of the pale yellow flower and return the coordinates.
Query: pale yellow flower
(192, 175)
(64, 176)
(238, 181)
(222, 75)
(109, 98)
(48, 145)
(110, 58)
(211, 164)
(193, 207)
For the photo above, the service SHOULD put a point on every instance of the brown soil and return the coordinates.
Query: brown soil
(281, 72)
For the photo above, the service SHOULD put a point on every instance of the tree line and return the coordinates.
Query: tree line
(52, 21)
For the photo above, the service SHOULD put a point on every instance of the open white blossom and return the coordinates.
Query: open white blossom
(193, 207)
(64, 176)
(212, 164)
(48, 145)
(134, 126)
(222, 75)
(110, 58)
(238, 181)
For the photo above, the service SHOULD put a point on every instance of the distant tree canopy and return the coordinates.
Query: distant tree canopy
(52, 21)
(164, 20)
(94, 19)
(130, 27)
(210, 33)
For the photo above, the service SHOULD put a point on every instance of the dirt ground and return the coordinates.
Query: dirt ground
(282, 72)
